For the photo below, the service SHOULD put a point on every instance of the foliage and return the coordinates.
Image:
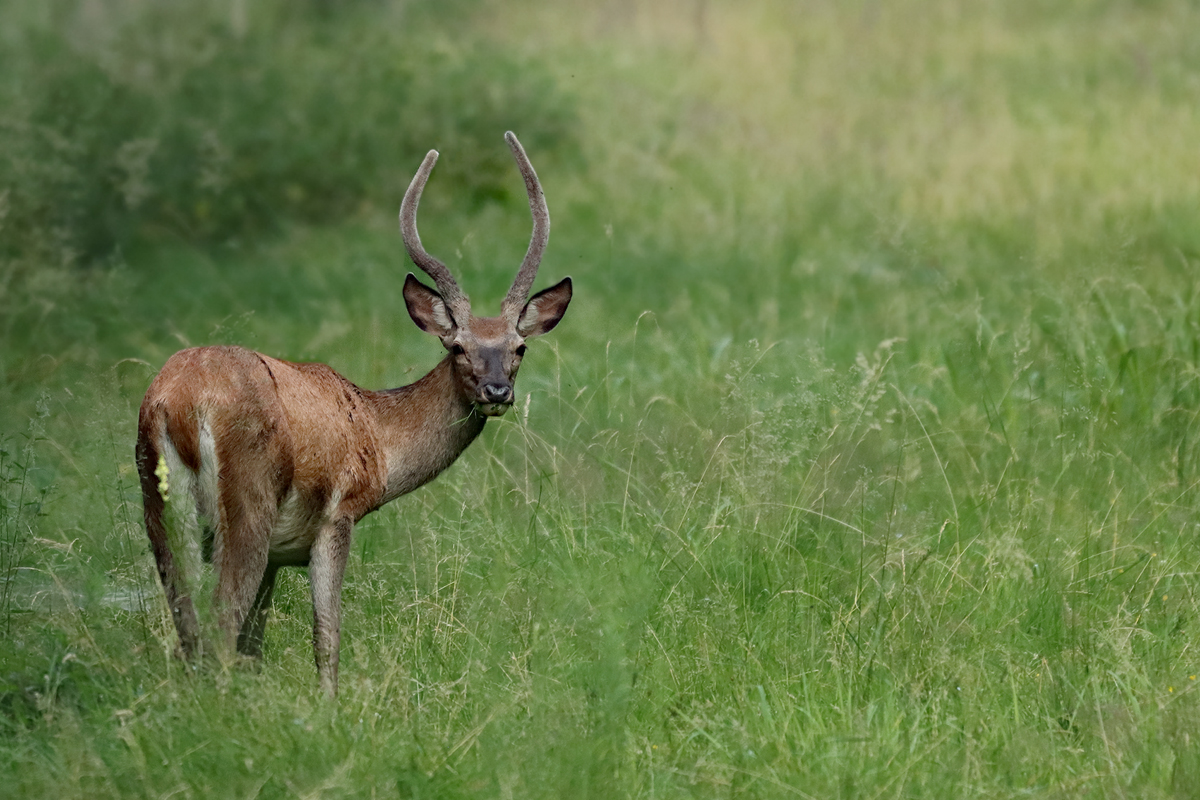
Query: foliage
(135, 119)
(23, 489)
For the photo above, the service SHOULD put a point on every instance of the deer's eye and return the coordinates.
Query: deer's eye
(520, 351)
(457, 349)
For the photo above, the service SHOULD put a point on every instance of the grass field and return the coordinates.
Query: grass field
(865, 463)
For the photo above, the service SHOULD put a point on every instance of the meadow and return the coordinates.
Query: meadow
(865, 463)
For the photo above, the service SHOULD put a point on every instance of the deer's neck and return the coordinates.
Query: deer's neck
(422, 428)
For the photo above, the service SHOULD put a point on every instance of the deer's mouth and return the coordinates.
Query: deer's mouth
(493, 409)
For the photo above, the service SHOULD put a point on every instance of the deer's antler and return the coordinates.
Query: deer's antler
(519, 293)
(458, 303)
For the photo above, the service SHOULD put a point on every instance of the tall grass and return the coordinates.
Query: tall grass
(864, 464)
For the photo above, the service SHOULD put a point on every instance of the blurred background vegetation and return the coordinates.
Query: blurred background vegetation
(132, 121)
(863, 465)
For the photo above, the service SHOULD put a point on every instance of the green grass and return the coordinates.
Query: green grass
(864, 465)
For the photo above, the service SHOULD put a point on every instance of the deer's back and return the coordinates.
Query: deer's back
(311, 433)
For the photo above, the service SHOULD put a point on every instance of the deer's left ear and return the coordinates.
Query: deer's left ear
(545, 309)
(427, 308)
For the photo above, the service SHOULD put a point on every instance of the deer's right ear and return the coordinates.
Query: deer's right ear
(545, 309)
(427, 308)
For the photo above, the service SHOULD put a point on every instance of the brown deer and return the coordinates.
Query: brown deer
(273, 462)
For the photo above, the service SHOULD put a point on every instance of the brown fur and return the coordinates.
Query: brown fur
(280, 430)
(283, 459)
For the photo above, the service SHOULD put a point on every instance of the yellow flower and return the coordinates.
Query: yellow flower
(162, 471)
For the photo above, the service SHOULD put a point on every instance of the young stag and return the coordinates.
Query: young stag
(274, 462)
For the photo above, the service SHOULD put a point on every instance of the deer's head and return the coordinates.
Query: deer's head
(485, 351)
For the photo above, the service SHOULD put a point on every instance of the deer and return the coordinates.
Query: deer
(251, 463)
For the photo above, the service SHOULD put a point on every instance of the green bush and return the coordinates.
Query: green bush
(173, 119)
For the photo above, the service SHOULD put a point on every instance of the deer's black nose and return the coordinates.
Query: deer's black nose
(497, 393)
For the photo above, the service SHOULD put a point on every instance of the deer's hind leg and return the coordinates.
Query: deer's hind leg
(249, 490)
(240, 558)
(171, 566)
(250, 639)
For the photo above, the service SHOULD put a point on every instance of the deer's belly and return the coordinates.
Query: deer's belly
(296, 528)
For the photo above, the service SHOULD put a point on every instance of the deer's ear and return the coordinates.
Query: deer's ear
(427, 308)
(545, 309)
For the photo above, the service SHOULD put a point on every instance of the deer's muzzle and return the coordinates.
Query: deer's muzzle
(495, 399)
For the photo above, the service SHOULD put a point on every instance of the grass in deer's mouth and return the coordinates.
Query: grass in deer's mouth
(864, 464)
(494, 409)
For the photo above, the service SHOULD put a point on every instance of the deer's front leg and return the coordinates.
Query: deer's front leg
(326, 567)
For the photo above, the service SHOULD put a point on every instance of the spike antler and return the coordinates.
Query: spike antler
(514, 302)
(458, 303)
